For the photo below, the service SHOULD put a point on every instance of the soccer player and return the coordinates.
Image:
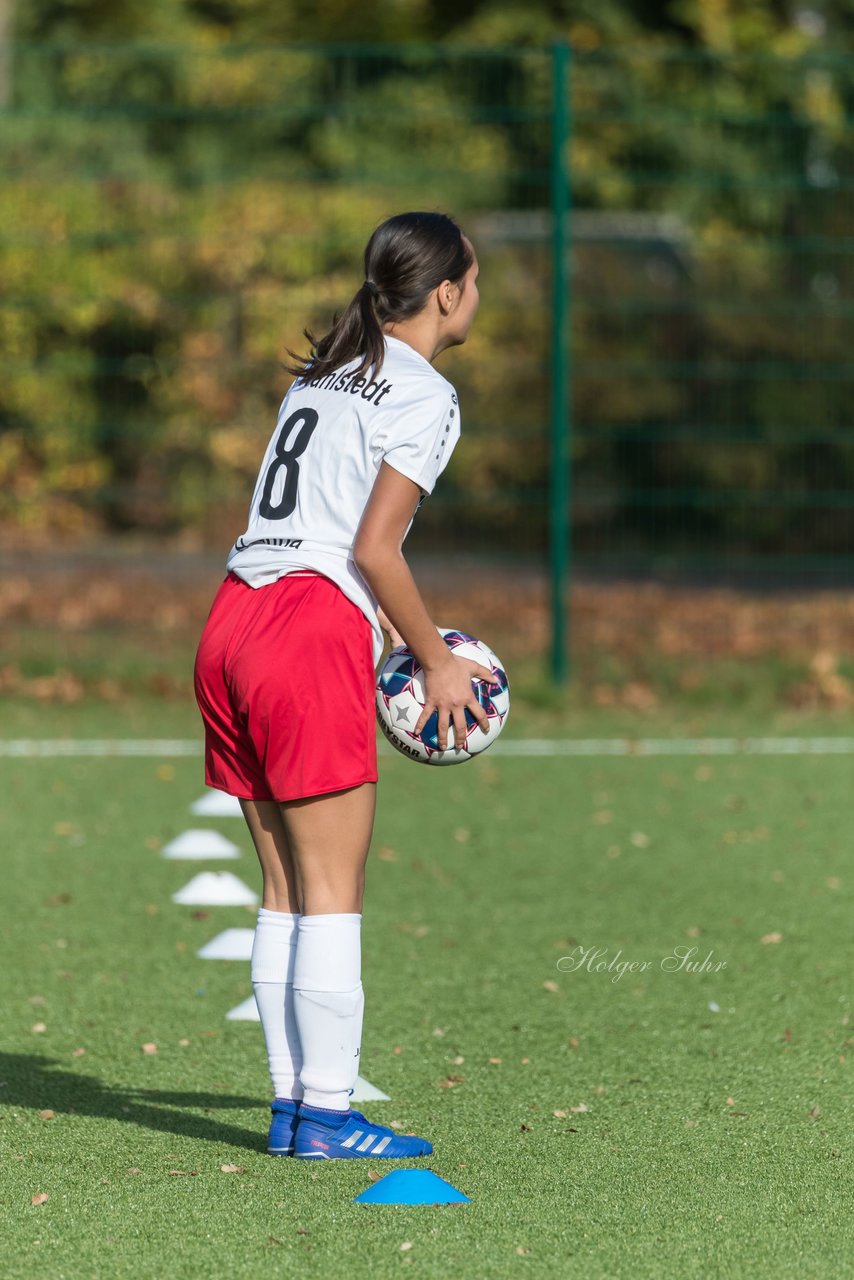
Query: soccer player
(285, 669)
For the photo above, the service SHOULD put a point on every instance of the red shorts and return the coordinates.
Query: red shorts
(284, 678)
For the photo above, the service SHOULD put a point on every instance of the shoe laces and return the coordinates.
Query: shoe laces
(357, 1115)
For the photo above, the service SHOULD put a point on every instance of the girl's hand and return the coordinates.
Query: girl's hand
(389, 628)
(448, 690)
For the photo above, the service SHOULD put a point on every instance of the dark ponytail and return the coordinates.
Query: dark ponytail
(407, 257)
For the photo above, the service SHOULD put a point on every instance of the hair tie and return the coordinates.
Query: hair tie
(371, 288)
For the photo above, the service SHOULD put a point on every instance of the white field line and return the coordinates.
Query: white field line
(674, 746)
(24, 748)
(100, 747)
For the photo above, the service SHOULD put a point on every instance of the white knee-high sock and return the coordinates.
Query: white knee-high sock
(329, 1004)
(272, 970)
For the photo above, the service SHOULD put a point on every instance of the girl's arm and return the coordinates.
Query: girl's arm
(378, 554)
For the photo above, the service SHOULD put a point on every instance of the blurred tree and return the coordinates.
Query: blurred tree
(7, 16)
(184, 184)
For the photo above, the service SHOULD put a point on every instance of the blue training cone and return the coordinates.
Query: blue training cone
(411, 1186)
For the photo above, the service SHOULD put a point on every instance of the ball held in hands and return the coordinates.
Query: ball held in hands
(400, 696)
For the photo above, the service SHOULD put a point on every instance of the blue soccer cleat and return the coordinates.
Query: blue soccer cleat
(283, 1126)
(320, 1137)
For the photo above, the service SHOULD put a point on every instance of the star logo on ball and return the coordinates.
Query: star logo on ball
(402, 713)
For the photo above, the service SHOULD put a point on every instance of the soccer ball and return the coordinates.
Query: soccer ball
(400, 701)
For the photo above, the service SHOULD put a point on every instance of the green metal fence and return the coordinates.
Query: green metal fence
(711, 313)
(659, 377)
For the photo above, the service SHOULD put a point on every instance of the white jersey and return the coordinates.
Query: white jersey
(322, 460)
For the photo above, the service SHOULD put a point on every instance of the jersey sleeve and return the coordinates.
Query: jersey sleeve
(420, 432)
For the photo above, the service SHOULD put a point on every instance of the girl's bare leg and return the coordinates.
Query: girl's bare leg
(264, 819)
(313, 852)
(329, 837)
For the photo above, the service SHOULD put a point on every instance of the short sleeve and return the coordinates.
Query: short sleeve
(420, 432)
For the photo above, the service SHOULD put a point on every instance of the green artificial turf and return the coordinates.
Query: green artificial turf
(689, 1142)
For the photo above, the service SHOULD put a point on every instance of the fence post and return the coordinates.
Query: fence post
(559, 531)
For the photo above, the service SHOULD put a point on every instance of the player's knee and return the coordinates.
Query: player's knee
(325, 891)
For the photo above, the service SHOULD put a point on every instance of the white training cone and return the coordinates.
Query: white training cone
(216, 804)
(231, 944)
(200, 845)
(367, 1092)
(216, 889)
(247, 1011)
